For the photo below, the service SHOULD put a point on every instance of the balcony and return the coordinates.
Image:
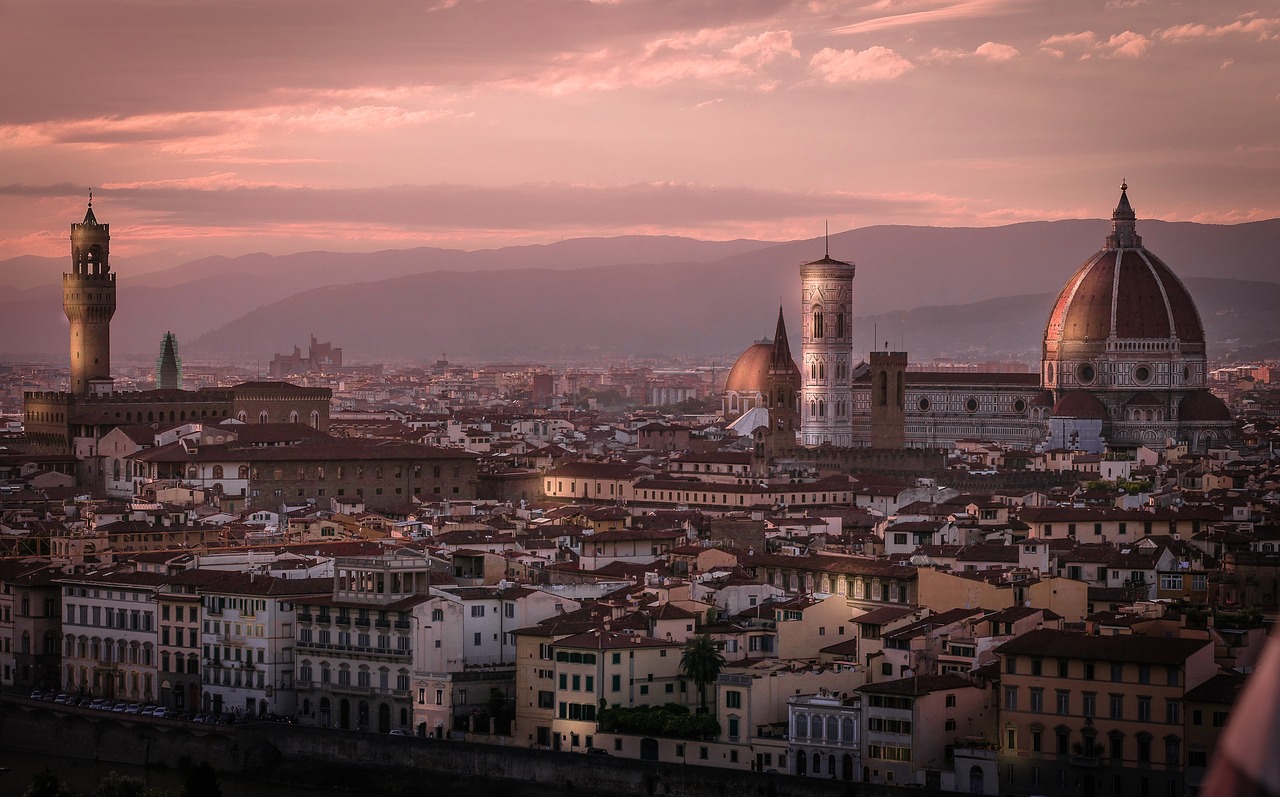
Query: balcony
(392, 653)
(304, 617)
(362, 622)
(382, 623)
(1086, 761)
(341, 620)
(402, 625)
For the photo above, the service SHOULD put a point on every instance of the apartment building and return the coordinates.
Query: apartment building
(110, 634)
(248, 639)
(909, 727)
(1087, 715)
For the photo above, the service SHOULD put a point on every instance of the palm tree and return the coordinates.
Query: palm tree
(701, 662)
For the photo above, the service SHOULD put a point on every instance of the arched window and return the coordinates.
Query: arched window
(802, 726)
(242, 472)
(293, 416)
(315, 419)
(833, 729)
(242, 416)
(816, 726)
(217, 471)
(817, 328)
(262, 417)
(840, 331)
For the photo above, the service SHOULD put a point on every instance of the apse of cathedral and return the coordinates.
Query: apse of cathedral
(1123, 365)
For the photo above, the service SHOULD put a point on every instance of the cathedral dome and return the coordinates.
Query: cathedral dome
(1079, 404)
(1202, 405)
(1124, 293)
(750, 373)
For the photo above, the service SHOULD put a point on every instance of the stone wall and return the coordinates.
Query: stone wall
(35, 726)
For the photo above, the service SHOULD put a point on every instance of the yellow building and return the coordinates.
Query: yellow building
(1087, 715)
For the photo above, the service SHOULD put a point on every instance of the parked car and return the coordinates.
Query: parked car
(63, 698)
(36, 694)
(398, 732)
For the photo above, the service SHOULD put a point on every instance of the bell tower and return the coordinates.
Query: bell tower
(826, 404)
(89, 300)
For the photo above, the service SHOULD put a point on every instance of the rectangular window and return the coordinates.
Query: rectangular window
(733, 699)
(615, 684)
(1011, 698)
(1064, 701)
(1037, 700)
(1144, 709)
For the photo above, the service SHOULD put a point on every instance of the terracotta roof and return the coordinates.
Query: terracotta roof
(1124, 291)
(1201, 405)
(1079, 404)
(1128, 648)
(918, 685)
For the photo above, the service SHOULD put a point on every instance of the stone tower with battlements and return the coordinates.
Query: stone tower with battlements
(888, 399)
(826, 401)
(89, 300)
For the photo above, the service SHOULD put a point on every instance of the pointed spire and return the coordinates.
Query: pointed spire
(89, 218)
(781, 359)
(1124, 227)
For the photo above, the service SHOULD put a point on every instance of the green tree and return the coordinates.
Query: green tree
(117, 785)
(701, 662)
(47, 784)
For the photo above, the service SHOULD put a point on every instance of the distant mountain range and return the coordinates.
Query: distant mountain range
(979, 293)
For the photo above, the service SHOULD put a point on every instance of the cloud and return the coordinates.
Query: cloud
(950, 12)
(989, 51)
(722, 56)
(993, 51)
(206, 132)
(283, 218)
(1125, 45)
(1086, 43)
(1263, 28)
(847, 66)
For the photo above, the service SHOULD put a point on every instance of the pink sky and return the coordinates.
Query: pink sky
(286, 125)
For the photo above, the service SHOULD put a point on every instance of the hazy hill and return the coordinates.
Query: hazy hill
(643, 295)
(536, 314)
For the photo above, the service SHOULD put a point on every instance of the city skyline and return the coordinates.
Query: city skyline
(474, 125)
